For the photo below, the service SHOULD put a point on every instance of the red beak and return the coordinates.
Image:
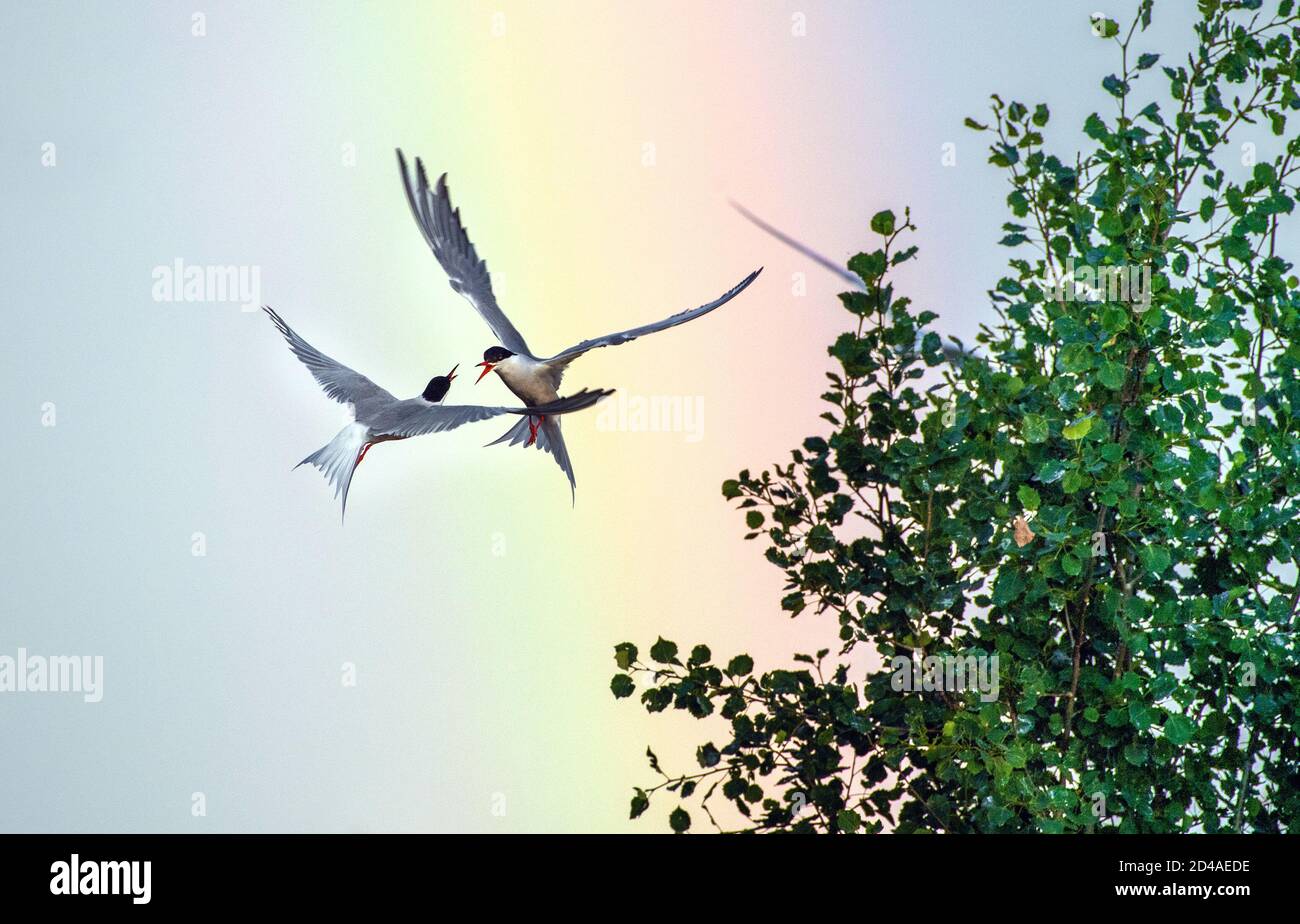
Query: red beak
(487, 367)
(451, 376)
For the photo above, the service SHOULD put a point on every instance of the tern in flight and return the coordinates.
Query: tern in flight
(379, 417)
(534, 380)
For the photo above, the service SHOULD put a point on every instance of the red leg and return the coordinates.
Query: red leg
(364, 449)
(532, 429)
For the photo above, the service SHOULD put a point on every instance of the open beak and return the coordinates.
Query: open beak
(451, 376)
(487, 367)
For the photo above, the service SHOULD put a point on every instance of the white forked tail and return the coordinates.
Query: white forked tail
(548, 440)
(338, 459)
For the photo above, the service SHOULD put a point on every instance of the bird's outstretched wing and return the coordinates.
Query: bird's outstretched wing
(841, 271)
(566, 356)
(445, 235)
(952, 348)
(416, 416)
(344, 385)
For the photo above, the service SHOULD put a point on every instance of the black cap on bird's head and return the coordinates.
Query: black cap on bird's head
(492, 356)
(439, 385)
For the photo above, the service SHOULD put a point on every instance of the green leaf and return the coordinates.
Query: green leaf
(622, 686)
(1103, 27)
(1004, 155)
(679, 821)
(1179, 730)
(640, 802)
(1114, 320)
(1112, 375)
(740, 666)
(883, 223)
(1140, 715)
(868, 266)
(1114, 86)
(1050, 471)
(1034, 429)
(753, 519)
(664, 651)
(1135, 754)
(848, 821)
(706, 755)
(1111, 225)
(1076, 357)
(1168, 418)
(1007, 587)
(1095, 128)
(1079, 429)
(1028, 497)
(625, 654)
(1237, 248)
(1155, 558)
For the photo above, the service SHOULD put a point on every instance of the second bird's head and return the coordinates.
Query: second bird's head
(492, 356)
(439, 385)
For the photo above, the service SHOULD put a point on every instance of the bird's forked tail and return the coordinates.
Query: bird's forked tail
(548, 440)
(338, 459)
(539, 426)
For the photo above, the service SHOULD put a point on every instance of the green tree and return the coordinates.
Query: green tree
(1104, 499)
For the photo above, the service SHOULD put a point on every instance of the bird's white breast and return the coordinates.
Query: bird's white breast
(531, 381)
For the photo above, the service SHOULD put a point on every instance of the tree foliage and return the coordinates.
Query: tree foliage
(1103, 497)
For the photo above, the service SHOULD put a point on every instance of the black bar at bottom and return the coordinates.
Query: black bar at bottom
(330, 872)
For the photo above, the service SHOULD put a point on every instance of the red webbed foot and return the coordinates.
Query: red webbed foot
(532, 429)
